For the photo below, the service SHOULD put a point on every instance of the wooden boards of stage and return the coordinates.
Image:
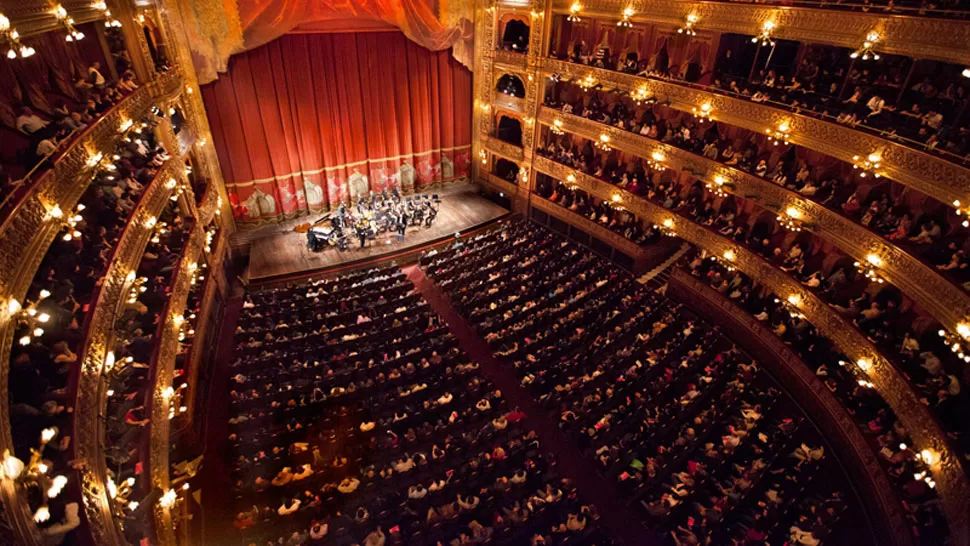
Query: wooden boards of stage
(278, 251)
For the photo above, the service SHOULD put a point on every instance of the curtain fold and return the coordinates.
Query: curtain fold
(312, 120)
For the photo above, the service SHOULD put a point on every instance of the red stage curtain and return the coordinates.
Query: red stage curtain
(311, 120)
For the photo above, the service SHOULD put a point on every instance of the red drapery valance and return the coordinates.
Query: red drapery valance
(311, 120)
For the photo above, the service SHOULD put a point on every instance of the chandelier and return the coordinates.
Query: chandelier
(69, 221)
(642, 95)
(962, 212)
(865, 51)
(868, 165)
(587, 83)
(688, 27)
(791, 304)
(780, 134)
(666, 227)
(955, 341)
(34, 474)
(28, 319)
(574, 12)
(656, 161)
(66, 21)
(716, 186)
(10, 38)
(625, 21)
(765, 36)
(556, 127)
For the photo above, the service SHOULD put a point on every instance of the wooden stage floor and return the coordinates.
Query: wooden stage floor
(278, 251)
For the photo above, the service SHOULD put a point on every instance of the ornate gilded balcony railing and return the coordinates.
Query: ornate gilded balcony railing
(211, 205)
(917, 37)
(168, 348)
(810, 392)
(928, 173)
(508, 102)
(106, 306)
(944, 300)
(504, 149)
(611, 238)
(952, 483)
(510, 59)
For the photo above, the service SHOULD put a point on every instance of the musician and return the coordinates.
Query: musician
(402, 225)
(361, 234)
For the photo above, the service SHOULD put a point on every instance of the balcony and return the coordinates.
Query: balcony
(504, 149)
(944, 300)
(942, 38)
(931, 174)
(611, 238)
(887, 380)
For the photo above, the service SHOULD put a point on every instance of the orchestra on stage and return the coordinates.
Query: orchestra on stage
(374, 215)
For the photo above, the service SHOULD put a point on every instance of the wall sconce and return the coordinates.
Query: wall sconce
(955, 341)
(625, 21)
(571, 178)
(866, 51)
(962, 212)
(656, 161)
(929, 456)
(587, 83)
(556, 127)
(966, 72)
(642, 95)
(109, 20)
(66, 21)
(27, 318)
(790, 219)
(604, 142)
(716, 186)
(11, 39)
(666, 227)
(867, 165)
(864, 364)
(574, 12)
(765, 36)
(870, 268)
(523, 176)
(617, 198)
(704, 112)
(779, 135)
(483, 155)
(688, 27)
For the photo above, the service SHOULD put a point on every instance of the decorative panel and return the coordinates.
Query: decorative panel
(504, 149)
(614, 239)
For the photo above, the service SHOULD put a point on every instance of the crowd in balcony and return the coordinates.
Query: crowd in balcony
(608, 215)
(357, 419)
(920, 225)
(687, 426)
(927, 110)
(847, 382)
(51, 325)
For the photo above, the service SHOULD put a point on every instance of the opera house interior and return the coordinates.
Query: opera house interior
(484, 272)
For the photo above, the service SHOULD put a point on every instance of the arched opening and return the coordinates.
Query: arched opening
(515, 36)
(511, 85)
(506, 170)
(509, 130)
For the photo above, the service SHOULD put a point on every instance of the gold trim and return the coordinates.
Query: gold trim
(941, 39)
(952, 483)
(942, 299)
(944, 180)
(615, 240)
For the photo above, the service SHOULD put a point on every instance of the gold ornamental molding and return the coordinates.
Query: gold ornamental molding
(801, 383)
(944, 180)
(615, 240)
(952, 483)
(942, 39)
(941, 298)
(211, 205)
(91, 401)
(36, 16)
(504, 149)
(508, 102)
(168, 347)
(510, 60)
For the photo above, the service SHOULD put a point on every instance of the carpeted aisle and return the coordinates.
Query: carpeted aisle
(615, 516)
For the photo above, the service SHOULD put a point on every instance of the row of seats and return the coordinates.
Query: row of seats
(693, 435)
(356, 418)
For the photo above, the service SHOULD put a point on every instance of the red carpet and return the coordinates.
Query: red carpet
(615, 517)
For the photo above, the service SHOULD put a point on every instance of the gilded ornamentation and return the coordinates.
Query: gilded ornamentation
(91, 402)
(509, 102)
(615, 240)
(501, 185)
(944, 300)
(952, 483)
(933, 175)
(504, 149)
(917, 37)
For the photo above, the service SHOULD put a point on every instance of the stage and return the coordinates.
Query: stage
(276, 251)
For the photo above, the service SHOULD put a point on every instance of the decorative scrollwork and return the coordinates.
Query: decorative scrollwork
(917, 37)
(934, 293)
(952, 485)
(504, 149)
(935, 176)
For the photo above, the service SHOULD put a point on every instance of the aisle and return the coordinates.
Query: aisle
(615, 516)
